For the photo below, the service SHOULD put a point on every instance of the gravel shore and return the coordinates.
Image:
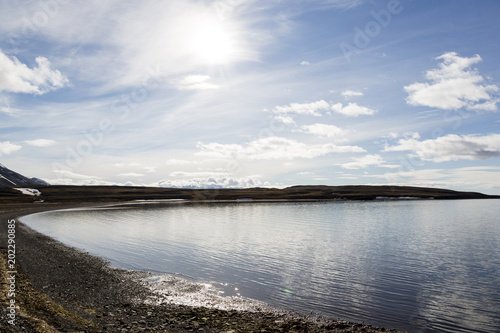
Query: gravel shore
(61, 289)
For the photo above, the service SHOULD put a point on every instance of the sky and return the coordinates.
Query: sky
(252, 93)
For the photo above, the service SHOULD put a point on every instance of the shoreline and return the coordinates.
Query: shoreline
(64, 289)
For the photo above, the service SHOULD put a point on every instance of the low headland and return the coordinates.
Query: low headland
(79, 194)
(61, 289)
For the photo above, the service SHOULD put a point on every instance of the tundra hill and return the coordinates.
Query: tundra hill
(97, 194)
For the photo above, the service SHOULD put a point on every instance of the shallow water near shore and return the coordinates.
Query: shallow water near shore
(422, 266)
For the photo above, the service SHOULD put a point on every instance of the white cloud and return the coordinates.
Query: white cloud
(131, 174)
(367, 161)
(351, 93)
(311, 109)
(134, 165)
(477, 178)
(16, 77)
(338, 4)
(272, 148)
(454, 85)
(305, 63)
(196, 82)
(212, 182)
(321, 106)
(352, 110)
(94, 38)
(395, 135)
(6, 148)
(330, 131)
(40, 142)
(285, 120)
(198, 174)
(72, 175)
(67, 177)
(7, 108)
(218, 178)
(83, 182)
(125, 165)
(451, 147)
(174, 161)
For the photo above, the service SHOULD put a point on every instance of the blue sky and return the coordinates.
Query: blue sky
(239, 93)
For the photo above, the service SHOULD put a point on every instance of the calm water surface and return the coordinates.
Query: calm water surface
(422, 266)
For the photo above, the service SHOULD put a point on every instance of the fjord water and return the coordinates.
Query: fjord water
(419, 265)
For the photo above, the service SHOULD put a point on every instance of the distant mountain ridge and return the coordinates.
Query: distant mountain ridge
(12, 178)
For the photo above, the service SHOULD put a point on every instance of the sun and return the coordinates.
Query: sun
(211, 42)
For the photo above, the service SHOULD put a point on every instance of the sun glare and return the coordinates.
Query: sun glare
(211, 43)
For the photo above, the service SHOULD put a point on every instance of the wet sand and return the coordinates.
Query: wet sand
(61, 289)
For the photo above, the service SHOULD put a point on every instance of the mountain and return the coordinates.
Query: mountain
(12, 178)
(39, 181)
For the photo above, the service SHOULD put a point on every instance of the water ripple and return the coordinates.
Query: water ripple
(423, 266)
